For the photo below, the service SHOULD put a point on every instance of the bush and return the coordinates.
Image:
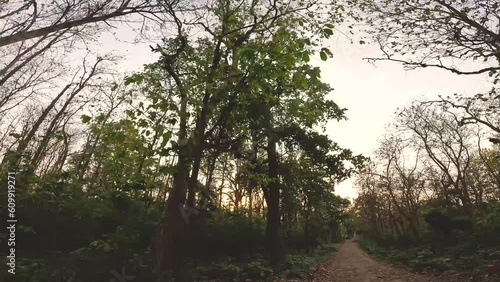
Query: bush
(430, 264)
(258, 269)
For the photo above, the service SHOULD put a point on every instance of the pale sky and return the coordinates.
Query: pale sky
(370, 93)
(373, 93)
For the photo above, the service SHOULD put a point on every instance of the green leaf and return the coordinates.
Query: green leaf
(59, 136)
(130, 114)
(107, 247)
(100, 118)
(303, 84)
(143, 123)
(327, 51)
(96, 243)
(328, 32)
(86, 119)
(305, 57)
(27, 229)
(135, 78)
(166, 137)
(323, 55)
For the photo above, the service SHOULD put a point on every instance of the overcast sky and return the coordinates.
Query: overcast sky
(373, 93)
(370, 93)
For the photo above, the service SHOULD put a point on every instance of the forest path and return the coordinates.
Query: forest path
(351, 264)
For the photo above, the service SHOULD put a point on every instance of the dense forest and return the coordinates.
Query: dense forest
(213, 163)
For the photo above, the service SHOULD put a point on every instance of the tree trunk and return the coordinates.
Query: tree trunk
(221, 190)
(250, 205)
(307, 229)
(252, 184)
(171, 247)
(275, 239)
(170, 250)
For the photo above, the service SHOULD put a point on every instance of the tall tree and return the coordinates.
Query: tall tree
(209, 86)
(447, 146)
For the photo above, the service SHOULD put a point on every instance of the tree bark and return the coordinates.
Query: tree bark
(170, 250)
(275, 239)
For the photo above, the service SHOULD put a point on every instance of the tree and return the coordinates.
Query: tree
(288, 102)
(32, 19)
(442, 34)
(437, 33)
(220, 77)
(37, 36)
(232, 101)
(447, 146)
(75, 87)
(482, 109)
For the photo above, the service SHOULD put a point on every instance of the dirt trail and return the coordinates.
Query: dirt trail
(351, 264)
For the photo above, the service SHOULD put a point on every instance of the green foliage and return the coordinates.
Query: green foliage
(300, 265)
(69, 234)
(419, 259)
(98, 205)
(258, 269)
(488, 224)
(230, 234)
(229, 270)
(445, 224)
(86, 119)
(464, 256)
